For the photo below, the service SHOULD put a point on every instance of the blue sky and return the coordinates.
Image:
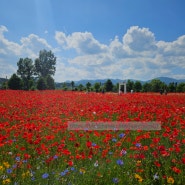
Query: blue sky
(96, 39)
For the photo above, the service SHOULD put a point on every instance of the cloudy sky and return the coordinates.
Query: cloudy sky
(96, 39)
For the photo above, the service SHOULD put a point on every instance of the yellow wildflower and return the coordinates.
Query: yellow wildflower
(170, 180)
(82, 170)
(138, 163)
(26, 174)
(1, 168)
(6, 181)
(138, 177)
(6, 164)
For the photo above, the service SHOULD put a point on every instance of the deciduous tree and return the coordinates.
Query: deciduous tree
(26, 71)
(50, 82)
(41, 84)
(45, 64)
(108, 85)
(137, 86)
(15, 83)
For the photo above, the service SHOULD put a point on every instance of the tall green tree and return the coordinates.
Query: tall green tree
(72, 85)
(42, 84)
(146, 87)
(50, 82)
(97, 86)
(15, 83)
(45, 64)
(88, 85)
(181, 87)
(116, 87)
(137, 86)
(172, 87)
(130, 86)
(108, 85)
(26, 72)
(80, 87)
(157, 85)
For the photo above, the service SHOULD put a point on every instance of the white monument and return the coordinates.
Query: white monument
(125, 87)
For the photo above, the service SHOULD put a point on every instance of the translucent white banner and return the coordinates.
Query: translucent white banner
(115, 125)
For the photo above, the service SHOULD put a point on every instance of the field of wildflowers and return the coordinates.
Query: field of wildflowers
(37, 148)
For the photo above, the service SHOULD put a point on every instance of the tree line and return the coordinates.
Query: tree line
(34, 75)
(38, 75)
(154, 85)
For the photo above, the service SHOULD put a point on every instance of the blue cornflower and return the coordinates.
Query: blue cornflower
(9, 170)
(120, 162)
(114, 139)
(121, 135)
(18, 159)
(93, 144)
(66, 171)
(62, 173)
(138, 145)
(14, 166)
(45, 175)
(115, 180)
(72, 168)
(55, 157)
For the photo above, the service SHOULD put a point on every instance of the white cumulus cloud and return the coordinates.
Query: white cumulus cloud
(139, 39)
(136, 55)
(84, 43)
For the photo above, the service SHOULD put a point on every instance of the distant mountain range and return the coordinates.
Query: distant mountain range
(166, 80)
(2, 80)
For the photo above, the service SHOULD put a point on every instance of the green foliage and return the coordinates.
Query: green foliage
(130, 86)
(146, 87)
(42, 84)
(15, 83)
(116, 88)
(50, 82)
(45, 64)
(181, 87)
(43, 67)
(108, 85)
(26, 71)
(80, 87)
(156, 85)
(97, 86)
(72, 84)
(137, 86)
(64, 86)
(46, 83)
(4, 85)
(172, 87)
(88, 85)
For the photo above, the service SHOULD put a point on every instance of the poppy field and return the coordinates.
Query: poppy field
(36, 146)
